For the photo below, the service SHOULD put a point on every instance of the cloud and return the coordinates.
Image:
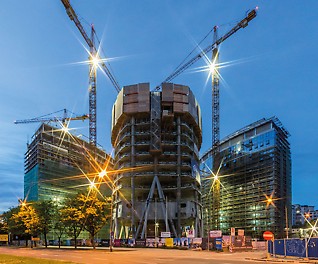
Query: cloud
(5, 205)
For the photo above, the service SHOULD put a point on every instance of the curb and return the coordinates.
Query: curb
(270, 260)
(282, 260)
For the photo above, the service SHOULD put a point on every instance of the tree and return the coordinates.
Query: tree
(31, 220)
(45, 211)
(95, 211)
(15, 224)
(3, 225)
(58, 225)
(73, 218)
(24, 220)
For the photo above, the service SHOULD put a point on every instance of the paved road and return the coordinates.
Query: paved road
(135, 256)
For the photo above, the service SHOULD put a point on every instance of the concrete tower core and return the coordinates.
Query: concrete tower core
(158, 135)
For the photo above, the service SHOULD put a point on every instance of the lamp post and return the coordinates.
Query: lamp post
(111, 225)
(101, 175)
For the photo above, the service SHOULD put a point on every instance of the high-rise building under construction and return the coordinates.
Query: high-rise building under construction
(252, 190)
(58, 164)
(158, 134)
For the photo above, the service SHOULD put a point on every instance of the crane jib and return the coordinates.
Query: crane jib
(242, 24)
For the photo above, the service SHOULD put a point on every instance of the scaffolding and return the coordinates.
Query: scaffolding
(256, 164)
(55, 164)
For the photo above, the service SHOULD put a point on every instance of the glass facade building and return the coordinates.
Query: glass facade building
(252, 190)
(56, 164)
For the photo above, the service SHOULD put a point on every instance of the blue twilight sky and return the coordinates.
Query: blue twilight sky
(274, 74)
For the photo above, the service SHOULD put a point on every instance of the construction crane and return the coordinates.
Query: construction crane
(215, 133)
(55, 118)
(95, 61)
(182, 67)
(214, 202)
(215, 93)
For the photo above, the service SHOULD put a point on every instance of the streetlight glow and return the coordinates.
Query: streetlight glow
(102, 173)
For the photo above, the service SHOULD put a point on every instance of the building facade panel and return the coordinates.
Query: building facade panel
(254, 166)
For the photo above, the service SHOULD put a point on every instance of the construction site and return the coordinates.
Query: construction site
(160, 133)
(58, 165)
(159, 184)
(251, 189)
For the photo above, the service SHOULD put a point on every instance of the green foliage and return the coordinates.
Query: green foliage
(29, 217)
(58, 226)
(72, 217)
(3, 225)
(96, 211)
(14, 222)
(45, 211)
(85, 212)
(32, 219)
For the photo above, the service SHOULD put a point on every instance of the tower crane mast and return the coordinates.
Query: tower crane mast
(242, 24)
(215, 94)
(93, 57)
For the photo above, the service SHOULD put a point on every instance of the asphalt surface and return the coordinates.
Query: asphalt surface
(139, 256)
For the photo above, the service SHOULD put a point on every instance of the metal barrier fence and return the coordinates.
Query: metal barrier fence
(294, 247)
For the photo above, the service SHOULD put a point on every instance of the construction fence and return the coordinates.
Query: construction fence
(220, 243)
(294, 247)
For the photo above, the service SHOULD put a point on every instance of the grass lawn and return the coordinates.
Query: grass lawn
(9, 259)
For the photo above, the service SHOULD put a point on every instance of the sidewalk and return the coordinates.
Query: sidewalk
(280, 259)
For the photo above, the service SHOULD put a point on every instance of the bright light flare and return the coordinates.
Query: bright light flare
(65, 129)
(95, 61)
(313, 228)
(212, 68)
(102, 173)
(216, 177)
(270, 200)
(307, 215)
(92, 185)
(23, 203)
